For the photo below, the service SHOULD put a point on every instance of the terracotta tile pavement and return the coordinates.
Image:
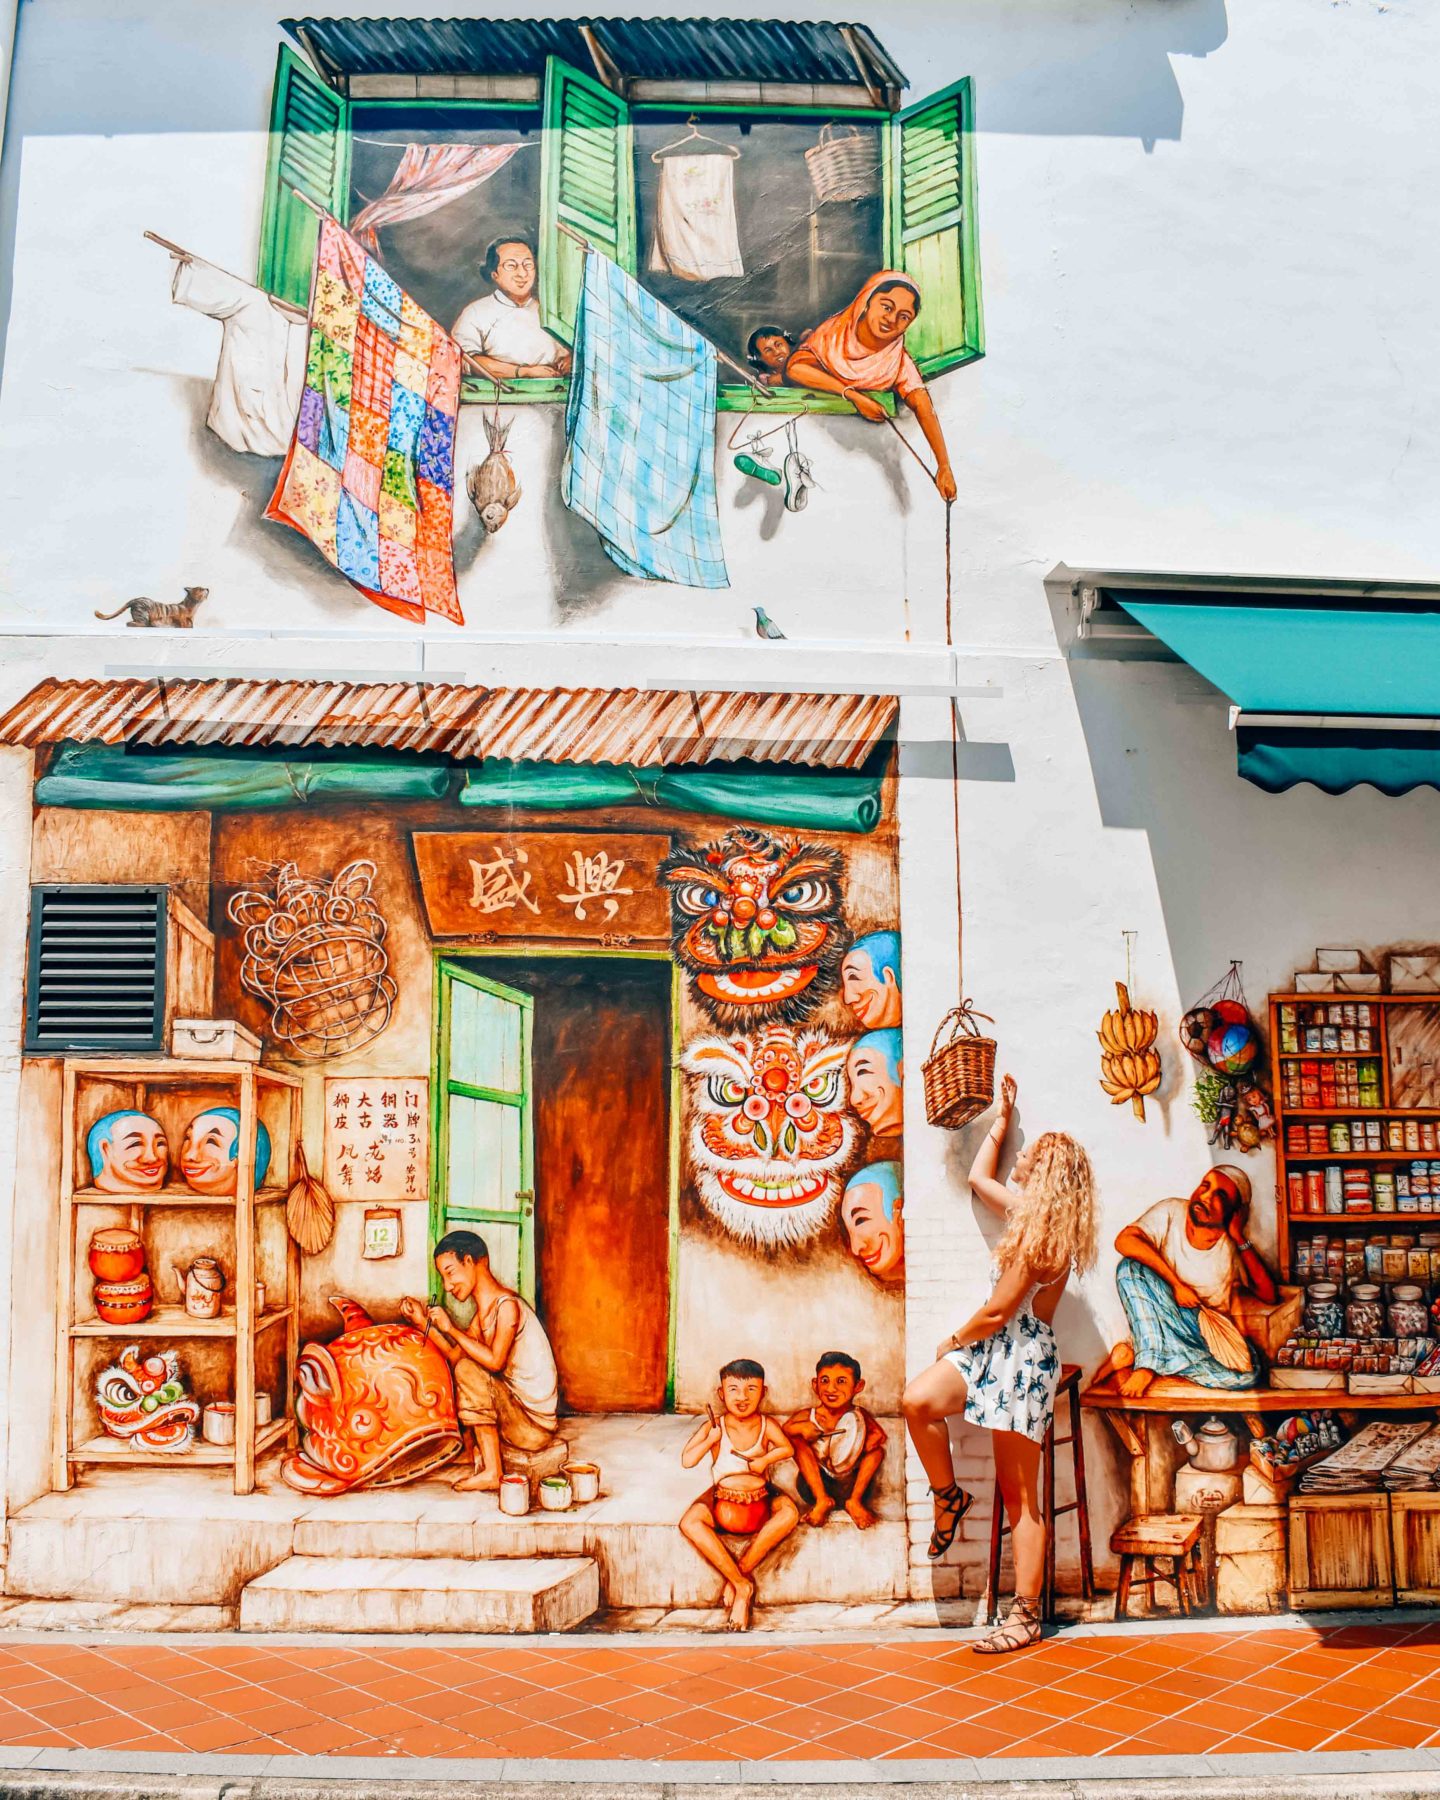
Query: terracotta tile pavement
(1113, 1694)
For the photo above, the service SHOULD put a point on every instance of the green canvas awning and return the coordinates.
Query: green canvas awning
(1343, 691)
(107, 776)
(813, 799)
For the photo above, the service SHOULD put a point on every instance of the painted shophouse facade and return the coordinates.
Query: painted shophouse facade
(573, 587)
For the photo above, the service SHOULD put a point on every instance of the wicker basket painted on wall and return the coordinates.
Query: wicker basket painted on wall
(960, 1070)
(843, 165)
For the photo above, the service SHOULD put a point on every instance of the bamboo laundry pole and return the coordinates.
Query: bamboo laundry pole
(284, 306)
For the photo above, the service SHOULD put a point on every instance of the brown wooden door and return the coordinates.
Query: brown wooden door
(602, 1055)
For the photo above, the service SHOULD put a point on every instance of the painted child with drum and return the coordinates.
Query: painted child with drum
(743, 1443)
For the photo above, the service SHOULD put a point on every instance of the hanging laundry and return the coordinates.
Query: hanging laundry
(429, 176)
(371, 472)
(640, 430)
(696, 236)
(262, 356)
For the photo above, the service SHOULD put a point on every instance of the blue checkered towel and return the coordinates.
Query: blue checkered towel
(640, 426)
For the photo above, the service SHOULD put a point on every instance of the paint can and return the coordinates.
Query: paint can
(514, 1495)
(584, 1481)
(555, 1493)
(218, 1424)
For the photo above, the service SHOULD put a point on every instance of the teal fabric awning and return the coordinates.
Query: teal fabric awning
(112, 777)
(1302, 659)
(1277, 756)
(1323, 684)
(814, 799)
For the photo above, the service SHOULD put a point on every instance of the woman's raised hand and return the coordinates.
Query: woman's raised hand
(1008, 1092)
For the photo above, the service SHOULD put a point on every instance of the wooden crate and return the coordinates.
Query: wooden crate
(1415, 1535)
(1250, 1563)
(1340, 1552)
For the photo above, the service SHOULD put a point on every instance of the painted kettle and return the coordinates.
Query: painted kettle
(1214, 1448)
(201, 1287)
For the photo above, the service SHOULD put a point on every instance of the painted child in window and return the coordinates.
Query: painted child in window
(743, 1440)
(861, 352)
(839, 1447)
(506, 1383)
(768, 350)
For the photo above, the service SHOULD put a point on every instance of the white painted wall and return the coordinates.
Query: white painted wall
(1208, 285)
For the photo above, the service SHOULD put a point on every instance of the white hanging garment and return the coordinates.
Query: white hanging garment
(696, 236)
(261, 371)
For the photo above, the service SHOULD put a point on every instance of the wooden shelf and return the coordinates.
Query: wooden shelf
(120, 1453)
(174, 1196)
(147, 1080)
(1405, 1218)
(1326, 1055)
(142, 1068)
(1360, 1156)
(175, 1322)
(1169, 1395)
(1352, 1112)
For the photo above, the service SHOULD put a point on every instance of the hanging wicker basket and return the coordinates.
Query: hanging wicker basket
(960, 1070)
(843, 165)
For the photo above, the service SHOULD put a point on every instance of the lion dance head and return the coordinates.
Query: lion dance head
(757, 924)
(769, 1136)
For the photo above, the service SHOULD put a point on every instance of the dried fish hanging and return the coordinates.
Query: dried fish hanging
(315, 953)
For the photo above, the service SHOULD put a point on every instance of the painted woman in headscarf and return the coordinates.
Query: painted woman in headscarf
(860, 352)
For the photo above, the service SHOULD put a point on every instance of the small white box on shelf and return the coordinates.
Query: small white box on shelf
(1341, 962)
(1314, 981)
(214, 1040)
(1358, 981)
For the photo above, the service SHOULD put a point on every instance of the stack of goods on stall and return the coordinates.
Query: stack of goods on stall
(1283, 1455)
(1416, 1470)
(1372, 1313)
(1360, 1466)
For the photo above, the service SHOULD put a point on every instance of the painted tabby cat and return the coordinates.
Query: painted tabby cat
(178, 615)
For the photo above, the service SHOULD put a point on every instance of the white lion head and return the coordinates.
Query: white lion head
(769, 1134)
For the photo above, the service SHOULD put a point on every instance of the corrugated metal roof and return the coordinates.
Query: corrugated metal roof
(578, 725)
(642, 49)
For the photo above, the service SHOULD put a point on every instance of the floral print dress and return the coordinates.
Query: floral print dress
(1011, 1376)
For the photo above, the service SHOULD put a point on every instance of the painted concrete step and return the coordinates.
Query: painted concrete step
(429, 1593)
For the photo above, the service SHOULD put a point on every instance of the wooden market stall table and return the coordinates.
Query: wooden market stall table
(1136, 1419)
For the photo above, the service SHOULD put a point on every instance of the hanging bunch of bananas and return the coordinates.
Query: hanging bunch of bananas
(1129, 1061)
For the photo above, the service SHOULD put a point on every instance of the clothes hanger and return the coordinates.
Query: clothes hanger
(692, 136)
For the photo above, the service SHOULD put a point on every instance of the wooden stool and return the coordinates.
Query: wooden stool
(1069, 1384)
(1163, 1537)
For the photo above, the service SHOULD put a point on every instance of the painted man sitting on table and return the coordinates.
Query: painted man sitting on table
(1184, 1265)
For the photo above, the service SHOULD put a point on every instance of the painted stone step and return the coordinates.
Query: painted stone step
(430, 1593)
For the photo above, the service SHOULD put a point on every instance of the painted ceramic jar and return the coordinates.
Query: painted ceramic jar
(116, 1254)
(204, 1283)
(1408, 1316)
(124, 1302)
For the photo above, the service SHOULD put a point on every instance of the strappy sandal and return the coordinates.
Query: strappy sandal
(954, 1504)
(1020, 1630)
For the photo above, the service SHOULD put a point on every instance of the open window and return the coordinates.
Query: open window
(813, 198)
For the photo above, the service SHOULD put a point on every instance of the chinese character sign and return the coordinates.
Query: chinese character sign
(543, 884)
(377, 1137)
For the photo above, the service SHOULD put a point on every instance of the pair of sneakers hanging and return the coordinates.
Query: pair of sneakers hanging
(795, 473)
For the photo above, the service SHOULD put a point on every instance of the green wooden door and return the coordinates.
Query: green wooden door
(587, 181)
(484, 1148)
(930, 226)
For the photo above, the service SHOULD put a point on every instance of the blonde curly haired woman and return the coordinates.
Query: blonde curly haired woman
(1000, 1370)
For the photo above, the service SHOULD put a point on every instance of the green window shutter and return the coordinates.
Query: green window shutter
(587, 181)
(309, 150)
(930, 215)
